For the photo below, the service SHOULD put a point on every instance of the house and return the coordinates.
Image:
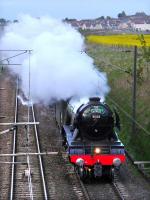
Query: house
(138, 22)
(89, 25)
(141, 25)
(123, 26)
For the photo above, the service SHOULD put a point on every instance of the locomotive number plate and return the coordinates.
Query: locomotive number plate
(96, 116)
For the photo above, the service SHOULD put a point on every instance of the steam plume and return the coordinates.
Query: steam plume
(58, 68)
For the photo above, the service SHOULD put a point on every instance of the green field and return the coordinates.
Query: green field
(117, 62)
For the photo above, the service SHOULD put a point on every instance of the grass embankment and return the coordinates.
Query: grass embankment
(118, 63)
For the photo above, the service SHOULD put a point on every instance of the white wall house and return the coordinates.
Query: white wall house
(97, 26)
(141, 27)
(91, 26)
(123, 26)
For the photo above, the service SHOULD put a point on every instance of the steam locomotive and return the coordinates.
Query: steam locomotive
(90, 137)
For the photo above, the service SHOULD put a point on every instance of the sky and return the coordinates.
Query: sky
(79, 9)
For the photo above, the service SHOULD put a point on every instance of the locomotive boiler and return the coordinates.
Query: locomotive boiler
(90, 137)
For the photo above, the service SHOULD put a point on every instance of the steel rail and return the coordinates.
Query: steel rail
(121, 192)
(76, 178)
(29, 178)
(27, 134)
(118, 191)
(84, 189)
(14, 145)
(40, 158)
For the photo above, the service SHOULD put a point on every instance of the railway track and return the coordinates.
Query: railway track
(120, 188)
(61, 181)
(77, 189)
(27, 174)
(97, 189)
(7, 104)
(103, 189)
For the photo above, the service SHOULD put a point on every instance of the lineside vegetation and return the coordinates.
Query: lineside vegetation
(117, 61)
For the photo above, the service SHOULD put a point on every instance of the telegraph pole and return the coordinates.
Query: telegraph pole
(134, 91)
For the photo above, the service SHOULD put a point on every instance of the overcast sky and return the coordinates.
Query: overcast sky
(80, 9)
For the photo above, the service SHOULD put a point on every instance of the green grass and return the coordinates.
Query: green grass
(118, 63)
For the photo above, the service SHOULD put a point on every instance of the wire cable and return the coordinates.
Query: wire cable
(7, 59)
(129, 116)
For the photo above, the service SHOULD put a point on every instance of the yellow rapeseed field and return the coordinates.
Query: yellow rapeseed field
(119, 40)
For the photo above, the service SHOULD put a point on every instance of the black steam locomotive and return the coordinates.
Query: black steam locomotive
(90, 137)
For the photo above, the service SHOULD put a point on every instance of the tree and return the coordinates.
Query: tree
(102, 17)
(144, 58)
(15, 21)
(66, 19)
(108, 17)
(2, 21)
(123, 14)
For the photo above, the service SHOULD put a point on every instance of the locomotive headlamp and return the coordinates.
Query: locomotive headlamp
(97, 150)
(116, 162)
(80, 162)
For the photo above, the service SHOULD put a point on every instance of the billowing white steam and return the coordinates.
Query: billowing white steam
(58, 68)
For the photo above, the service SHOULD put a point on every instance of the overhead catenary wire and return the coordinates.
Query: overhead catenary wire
(120, 107)
(115, 66)
(14, 50)
(32, 154)
(13, 158)
(7, 59)
(27, 124)
(12, 64)
(23, 51)
(129, 116)
(3, 162)
(14, 124)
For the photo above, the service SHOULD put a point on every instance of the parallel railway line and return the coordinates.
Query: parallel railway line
(7, 104)
(27, 177)
(62, 182)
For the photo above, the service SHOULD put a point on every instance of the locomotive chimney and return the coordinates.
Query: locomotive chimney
(94, 99)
